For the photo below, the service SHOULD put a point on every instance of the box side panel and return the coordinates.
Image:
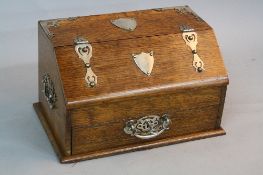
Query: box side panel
(221, 105)
(56, 118)
(101, 126)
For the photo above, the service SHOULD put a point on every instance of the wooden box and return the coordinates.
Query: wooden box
(129, 81)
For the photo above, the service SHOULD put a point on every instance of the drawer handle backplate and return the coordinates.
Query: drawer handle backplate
(147, 127)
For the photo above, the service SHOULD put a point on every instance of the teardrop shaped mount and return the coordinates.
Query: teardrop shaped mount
(129, 24)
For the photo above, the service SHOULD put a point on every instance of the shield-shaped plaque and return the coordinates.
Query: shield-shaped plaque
(144, 61)
(125, 23)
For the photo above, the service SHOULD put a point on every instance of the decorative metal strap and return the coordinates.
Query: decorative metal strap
(147, 127)
(49, 91)
(190, 38)
(84, 51)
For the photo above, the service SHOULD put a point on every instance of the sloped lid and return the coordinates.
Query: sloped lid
(112, 49)
(99, 28)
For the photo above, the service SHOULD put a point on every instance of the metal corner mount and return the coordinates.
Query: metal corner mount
(84, 50)
(190, 38)
(129, 24)
(183, 10)
(187, 10)
(147, 127)
(47, 24)
(49, 91)
(144, 62)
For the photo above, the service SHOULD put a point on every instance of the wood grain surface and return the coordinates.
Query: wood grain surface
(88, 122)
(56, 118)
(98, 28)
(111, 135)
(118, 75)
(108, 112)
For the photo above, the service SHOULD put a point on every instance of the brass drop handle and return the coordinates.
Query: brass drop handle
(147, 127)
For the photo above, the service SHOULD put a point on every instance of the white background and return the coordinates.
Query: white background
(25, 148)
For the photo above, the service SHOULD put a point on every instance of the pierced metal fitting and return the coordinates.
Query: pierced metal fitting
(49, 91)
(188, 11)
(147, 127)
(190, 38)
(84, 51)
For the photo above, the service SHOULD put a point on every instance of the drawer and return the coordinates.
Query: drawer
(91, 138)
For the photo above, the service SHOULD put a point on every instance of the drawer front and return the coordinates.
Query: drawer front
(96, 134)
(91, 139)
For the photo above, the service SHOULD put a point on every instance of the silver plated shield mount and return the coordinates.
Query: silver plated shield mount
(129, 24)
(144, 62)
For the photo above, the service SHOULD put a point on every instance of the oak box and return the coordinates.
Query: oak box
(129, 81)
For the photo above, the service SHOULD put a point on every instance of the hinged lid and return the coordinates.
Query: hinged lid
(99, 28)
(155, 53)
